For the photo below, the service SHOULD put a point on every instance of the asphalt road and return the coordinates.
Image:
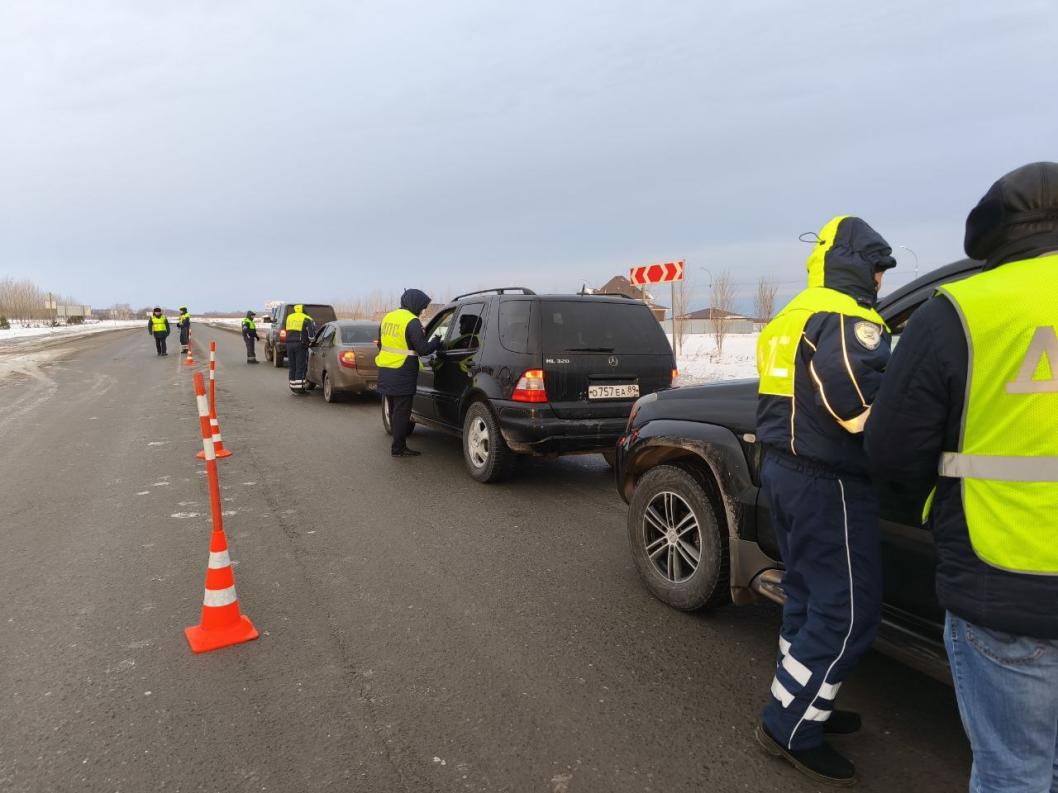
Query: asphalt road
(419, 631)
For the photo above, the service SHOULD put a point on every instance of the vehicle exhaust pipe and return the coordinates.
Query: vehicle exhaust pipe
(768, 584)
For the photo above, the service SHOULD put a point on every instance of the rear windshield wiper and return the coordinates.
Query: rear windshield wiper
(589, 349)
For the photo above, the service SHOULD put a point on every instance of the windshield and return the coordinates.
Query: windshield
(319, 312)
(359, 334)
(590, 326)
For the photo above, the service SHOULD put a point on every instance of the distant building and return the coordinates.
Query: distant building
(702, 321)
(619, 285)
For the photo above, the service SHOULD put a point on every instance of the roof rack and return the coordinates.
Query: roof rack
(608, 294)
(502, 290)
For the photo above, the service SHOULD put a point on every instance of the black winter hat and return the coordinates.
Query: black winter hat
(1016, 215)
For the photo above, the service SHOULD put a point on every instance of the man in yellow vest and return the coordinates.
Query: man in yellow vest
(300, 329)
(821, 362)
(250, 337)
(158, 327)
(970, 406)
(401, 343)
(184, 324)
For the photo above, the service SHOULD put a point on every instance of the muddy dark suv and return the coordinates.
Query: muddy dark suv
(699, 527)
(528, 374)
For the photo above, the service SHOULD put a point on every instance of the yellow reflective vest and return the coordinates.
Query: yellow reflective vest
(1007, 456)
(158, 324)
(394, 343)
(780, 339)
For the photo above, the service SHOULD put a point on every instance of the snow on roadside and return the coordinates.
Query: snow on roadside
(19, 332)
(698, 361)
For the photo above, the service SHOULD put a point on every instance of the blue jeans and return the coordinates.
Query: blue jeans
(1007, 688)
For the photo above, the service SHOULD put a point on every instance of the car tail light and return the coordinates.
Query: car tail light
(530, 387)
(283, 334)
(347, 359)
(675, 375)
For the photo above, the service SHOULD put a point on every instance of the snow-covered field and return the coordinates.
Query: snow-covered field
(698, 361)
(18, 331)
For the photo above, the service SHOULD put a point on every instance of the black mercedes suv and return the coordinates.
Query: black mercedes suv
(688, 466)
(528, 374)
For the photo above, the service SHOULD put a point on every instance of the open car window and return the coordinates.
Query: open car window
(467, 327)
(898, 322)
(440, 325)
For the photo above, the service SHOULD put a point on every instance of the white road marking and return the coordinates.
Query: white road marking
(184, 515)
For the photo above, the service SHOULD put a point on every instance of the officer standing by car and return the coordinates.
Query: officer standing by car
(158, 327)
(249, 335)
(184, 324)
(300, 329)
(401, 342)
(821, 362)
(969, 404)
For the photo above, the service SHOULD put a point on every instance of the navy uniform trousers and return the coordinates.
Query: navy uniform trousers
(298, 359)
(826, 525)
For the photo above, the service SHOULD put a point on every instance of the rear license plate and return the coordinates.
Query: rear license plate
(613, 391)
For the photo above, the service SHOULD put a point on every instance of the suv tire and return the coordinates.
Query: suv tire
(268, 352)
(487, 456)
(677, 544)
(277, 358)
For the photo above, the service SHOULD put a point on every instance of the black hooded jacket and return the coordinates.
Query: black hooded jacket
(918, 412)
(839, 364)
(402, 381)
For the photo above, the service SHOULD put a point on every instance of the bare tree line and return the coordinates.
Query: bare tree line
(368, 307)
(723, 299)
(24, 301)
(764, 300)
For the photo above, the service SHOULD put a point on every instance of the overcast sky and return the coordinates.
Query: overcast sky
(221, 154)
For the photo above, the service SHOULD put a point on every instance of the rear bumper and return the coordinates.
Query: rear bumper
(351, 381)
(531, 429)
(355, 381)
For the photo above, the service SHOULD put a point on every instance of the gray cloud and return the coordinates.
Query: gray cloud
(223, 154)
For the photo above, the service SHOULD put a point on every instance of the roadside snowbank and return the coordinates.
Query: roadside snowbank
(698, 361)
(20, 332)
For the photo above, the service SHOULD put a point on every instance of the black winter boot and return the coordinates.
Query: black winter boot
(820, 763)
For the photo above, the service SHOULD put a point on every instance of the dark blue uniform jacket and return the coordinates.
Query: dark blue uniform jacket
(838, 371)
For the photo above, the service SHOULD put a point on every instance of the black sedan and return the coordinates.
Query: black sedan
(699, 527)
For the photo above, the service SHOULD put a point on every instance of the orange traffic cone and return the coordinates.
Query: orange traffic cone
(189, 361)
(222, 622)
(214, 424)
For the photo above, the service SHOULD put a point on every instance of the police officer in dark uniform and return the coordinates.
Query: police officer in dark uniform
(300, 329)
(184, 324)
(969, 407)
(158, 327)
(821, 362)
(249, 335)
(401, 344)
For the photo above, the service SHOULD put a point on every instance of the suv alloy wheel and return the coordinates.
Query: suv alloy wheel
(676, 541)
(485, 452)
